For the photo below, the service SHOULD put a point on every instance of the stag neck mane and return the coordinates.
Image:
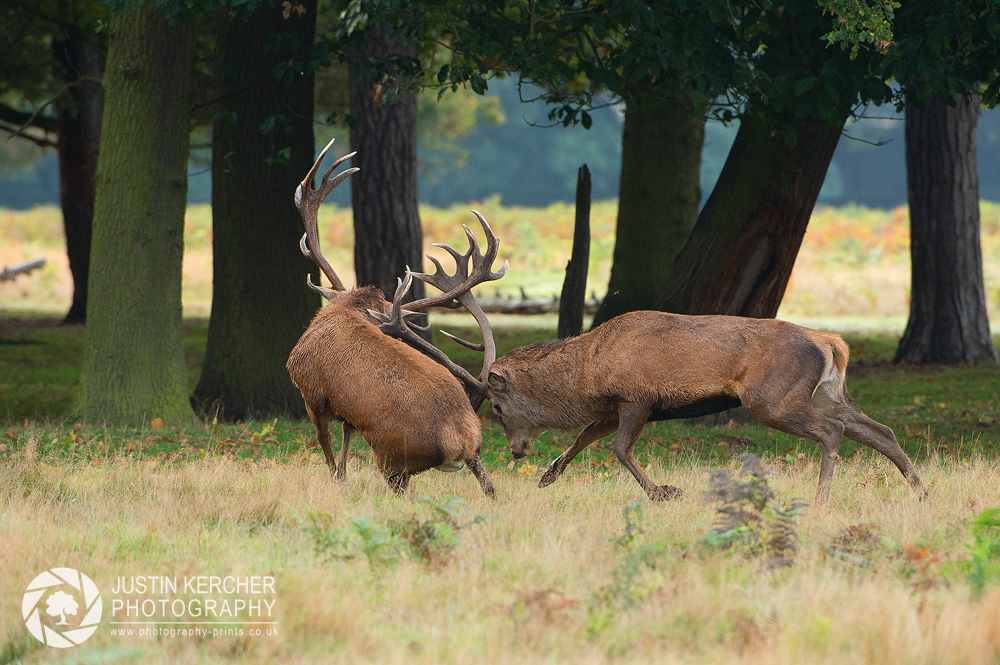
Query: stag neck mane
(558, 372)
(362, 298)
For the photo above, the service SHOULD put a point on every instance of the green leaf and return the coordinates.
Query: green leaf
(600, 30)
(478, 84)
(991, 96)
(804, 85)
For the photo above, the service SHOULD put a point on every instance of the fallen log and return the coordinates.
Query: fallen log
(10, 272)
(528, 305)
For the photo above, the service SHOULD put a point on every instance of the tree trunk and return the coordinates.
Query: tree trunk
(740, 254)
(948, 322)
(657, 201)
(387, 235)
(260, 302)
(133, 368)
(574, 291)
(79, 128)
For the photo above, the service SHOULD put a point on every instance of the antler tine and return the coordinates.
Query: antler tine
(461, 260)
(461, 281)
(310, 176)
(394, 325)
(492, 247)
(308, 199)
(464, 342)
(329, 294)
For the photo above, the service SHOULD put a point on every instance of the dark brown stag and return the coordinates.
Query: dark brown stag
(358, 362)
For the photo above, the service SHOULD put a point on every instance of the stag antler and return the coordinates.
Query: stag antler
(457, 292)
(453, 286)
(395, 325)
(308, 199)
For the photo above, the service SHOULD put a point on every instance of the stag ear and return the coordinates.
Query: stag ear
(497, 382)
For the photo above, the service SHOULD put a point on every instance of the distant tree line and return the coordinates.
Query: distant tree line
(868, 167)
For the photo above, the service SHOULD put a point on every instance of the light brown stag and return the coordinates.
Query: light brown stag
(646, 366)
(352, 365)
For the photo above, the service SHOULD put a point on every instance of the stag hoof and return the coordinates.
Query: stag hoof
(666, 493)
(550, 476)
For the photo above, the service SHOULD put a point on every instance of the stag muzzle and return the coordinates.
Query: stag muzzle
(520, 447)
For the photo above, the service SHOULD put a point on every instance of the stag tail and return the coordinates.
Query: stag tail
(836, 353)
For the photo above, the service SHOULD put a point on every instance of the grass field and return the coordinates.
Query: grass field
(587, 570)
(584, 571)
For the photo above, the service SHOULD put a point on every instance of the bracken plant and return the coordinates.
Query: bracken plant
(747, 517)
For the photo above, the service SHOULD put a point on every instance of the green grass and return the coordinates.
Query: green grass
(40, 364)
(935, 411)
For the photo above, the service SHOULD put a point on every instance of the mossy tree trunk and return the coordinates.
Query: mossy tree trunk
(133, 369)
(948, 321)
(739, 256)
(262, 147)
(387, 235)
(657, 200)
(78, 117)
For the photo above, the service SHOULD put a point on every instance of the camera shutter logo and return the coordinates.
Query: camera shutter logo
(62, 590)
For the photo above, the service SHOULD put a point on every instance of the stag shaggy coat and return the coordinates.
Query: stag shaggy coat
(350, 364)
(412, 412)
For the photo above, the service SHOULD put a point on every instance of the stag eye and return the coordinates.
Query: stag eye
(497, 410)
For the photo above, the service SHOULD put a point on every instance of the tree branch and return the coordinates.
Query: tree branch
(36, 119)
(12, 116)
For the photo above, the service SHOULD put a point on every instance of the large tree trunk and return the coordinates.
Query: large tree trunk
(657, 200)
(133, 369)
(948, 322)
(739, 257)
(79, 128)
(387, 235)
(260, 302)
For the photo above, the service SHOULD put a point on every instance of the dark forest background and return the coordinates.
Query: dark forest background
(527, 162)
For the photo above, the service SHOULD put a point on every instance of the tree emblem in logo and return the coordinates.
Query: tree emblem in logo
(63, 589)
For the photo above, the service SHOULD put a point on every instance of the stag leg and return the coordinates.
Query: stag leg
(475, 465)
(347, 432)
(861, 428)
(798, 417)
(631, 420)
(398, 480)
(323, 436)
(590, 433)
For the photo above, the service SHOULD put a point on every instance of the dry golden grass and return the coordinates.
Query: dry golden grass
(534, 583)
(853, 261)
